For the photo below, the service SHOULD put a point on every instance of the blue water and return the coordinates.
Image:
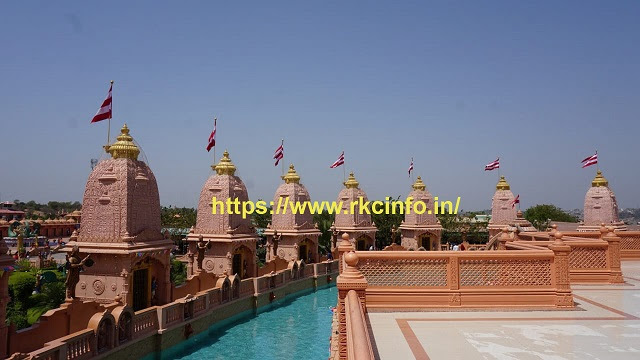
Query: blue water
(296, 328)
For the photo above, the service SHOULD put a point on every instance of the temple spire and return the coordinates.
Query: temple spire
(419, 185)
(291, 176)
(599, 180)
(351, 182)
(225, 166)
(502, 184)
(124, 147)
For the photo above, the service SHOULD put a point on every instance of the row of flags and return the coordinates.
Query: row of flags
(105, 112)
(591, 160)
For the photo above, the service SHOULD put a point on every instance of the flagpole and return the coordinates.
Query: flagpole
(109, 121)
(215, 126)
(411, 173)
(282, 165)
(597, 163)
(498, 169)
(344, 171)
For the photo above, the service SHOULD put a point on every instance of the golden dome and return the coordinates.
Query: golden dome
(291, 176)
(502, 184)
(351, 183)
(225, 166)
(419, 185)
(124, 146)
(599, 180)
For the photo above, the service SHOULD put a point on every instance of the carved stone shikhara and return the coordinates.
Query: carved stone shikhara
(421, 230)
(228, 234)
(289, 234)
(359, 227)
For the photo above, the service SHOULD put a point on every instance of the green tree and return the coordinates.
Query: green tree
(261, 220)
(541, 215)
(324, 221)
(384, 223)
(178, 217)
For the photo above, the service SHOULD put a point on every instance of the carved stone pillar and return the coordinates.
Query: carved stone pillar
(564, 297)
(503, 239)
(613, 255)
(344, 247)
(350, 279)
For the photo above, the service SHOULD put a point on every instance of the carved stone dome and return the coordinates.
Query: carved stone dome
(600, 205)
(502, 211)
(350, 193)
(294, 191)
(420, 193)
(222, 185)
(121, 201)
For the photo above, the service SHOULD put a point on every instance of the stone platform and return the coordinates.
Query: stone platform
(605, 325)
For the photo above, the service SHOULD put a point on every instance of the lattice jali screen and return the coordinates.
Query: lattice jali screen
(587, 258)
(494, 272)
(630, 243)
(404, 272)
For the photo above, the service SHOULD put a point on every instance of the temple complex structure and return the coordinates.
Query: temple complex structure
(600, 206)
(292, 236)
(361, 231)
(231, 238)
(421, 230)
(503, 213)
(120, 232)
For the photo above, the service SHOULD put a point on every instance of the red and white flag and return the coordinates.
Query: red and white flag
(279, 154)
(591, 160)
(411, 167)
(338, 162)
(212, 137)
(105, 109)
(492, 165)
(515, 201)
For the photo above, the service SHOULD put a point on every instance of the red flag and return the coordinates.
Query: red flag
(492, 165)
(591, 160)
(279, 154)
(338, 162)
(105, 109)
(411, 167)
(515, 201)
(212, 137)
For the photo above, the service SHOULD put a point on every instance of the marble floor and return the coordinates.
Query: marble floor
(606, 325)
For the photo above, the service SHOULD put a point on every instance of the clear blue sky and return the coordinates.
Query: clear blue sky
(453, 84)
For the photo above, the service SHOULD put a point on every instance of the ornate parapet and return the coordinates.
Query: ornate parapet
(350, 281)
(613, 255)
(564, 297)
(344, 247)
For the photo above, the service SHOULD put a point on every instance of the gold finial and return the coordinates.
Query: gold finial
(225, 166)
(351, 183)
(419, 185)
(502, 184)
(124, 147)
(599, 180)
(291, 176)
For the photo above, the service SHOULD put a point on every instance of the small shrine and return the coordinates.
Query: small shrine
(421, 231)
(359, 227)
(222, 242)
(292, 236)
(119, 247)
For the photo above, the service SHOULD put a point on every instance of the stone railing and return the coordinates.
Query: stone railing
(358, 340)
(145, 322)
(77, 346)
(418, 279)
(180, 313)
(591, 260)
(629, 241)
(629, 244)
